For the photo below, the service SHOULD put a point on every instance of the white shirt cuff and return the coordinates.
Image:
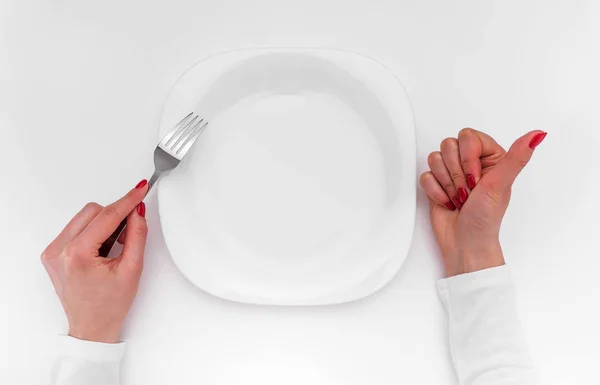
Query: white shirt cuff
(91, 350)
(87, 362)
(487, 345)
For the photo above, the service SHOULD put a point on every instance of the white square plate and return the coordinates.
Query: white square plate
(302, 189)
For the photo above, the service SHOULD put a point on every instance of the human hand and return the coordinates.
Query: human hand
(469, 186)
(96, 293)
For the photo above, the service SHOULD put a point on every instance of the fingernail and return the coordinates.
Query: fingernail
(537, 140)
(471, 181)
(456, 201)
(450, 206)
(141, 209)
(142, 183)
(463, 194)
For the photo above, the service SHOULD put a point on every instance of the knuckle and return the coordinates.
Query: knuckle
(68, 262)
(141, 231)
(522, 163)
(92, 207)
(434, 157)
(517, 161)
(425, 175)
(466, 131)
(449, 143)
(423, 178)
(457, 176)
(111, 211)
(448, 187)
(71, 250)
(46, 256)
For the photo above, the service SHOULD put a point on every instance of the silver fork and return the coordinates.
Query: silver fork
(167, 155)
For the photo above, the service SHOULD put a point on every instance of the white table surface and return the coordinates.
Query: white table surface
(81, 90)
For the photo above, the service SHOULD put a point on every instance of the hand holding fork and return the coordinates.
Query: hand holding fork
(167, 155)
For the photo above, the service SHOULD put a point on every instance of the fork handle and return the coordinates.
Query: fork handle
(110, 241)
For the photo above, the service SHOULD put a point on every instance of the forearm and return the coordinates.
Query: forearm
(82, 362)
(486, 339)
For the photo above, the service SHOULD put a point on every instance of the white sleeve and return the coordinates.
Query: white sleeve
(487, 345)
(82, 362)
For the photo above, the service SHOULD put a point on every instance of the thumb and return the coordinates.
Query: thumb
(515, 160)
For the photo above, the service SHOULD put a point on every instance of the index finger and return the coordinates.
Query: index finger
(103, 225)
(473, 146)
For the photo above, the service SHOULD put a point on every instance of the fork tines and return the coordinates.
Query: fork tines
(179, 140)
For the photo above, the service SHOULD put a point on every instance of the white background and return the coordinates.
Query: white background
(81, 89)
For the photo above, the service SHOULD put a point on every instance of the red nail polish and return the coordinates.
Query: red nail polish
(537, 140)
(142, 183)
(456, 201)
(450, 206)
(463, 194)
(141, 209)
(471, 181)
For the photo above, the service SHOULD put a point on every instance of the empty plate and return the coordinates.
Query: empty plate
(302, 189)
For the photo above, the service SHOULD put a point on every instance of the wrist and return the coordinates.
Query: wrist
(476, 263)
(472, 259)
(109, 335)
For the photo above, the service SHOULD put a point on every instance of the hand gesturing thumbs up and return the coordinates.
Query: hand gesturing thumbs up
(469, 186)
